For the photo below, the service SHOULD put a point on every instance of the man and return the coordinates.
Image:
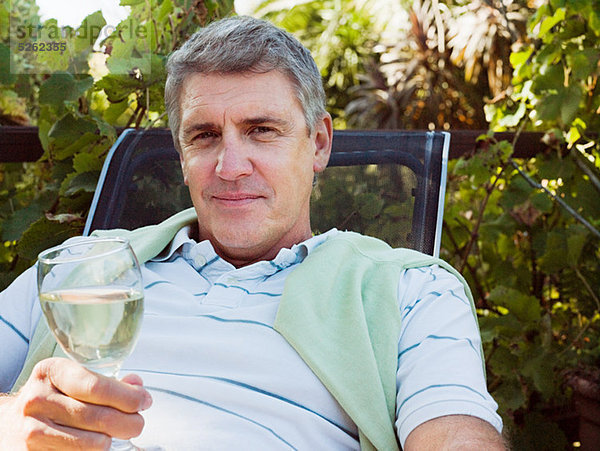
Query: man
(335, 360)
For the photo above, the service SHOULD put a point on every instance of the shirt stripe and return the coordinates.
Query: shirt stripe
(15, 330)
(222, 409)
(429, 387)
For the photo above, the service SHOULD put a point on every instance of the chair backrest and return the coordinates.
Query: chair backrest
(389, 184)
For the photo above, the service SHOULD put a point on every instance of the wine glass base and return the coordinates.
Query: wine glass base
(126, 445)
(122, 445)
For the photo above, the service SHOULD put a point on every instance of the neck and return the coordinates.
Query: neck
(247, 256)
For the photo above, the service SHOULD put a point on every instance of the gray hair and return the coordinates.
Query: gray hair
(244, 44)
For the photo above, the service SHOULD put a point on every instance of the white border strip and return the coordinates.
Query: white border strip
(100, 184)
(440, 217)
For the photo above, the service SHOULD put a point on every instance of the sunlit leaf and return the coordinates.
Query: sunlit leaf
(549, 22)
(518, 58)
(526, 308)
(130, 2)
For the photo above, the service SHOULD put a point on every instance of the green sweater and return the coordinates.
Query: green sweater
(339, 310)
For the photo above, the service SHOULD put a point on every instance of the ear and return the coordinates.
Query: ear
(183, 168)
(322, 139)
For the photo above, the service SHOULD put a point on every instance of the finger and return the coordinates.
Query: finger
(77, 382)
(47, 435)
(73, 413)
(132, 379)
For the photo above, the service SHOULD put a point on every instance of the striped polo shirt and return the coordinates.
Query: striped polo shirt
(222, 378)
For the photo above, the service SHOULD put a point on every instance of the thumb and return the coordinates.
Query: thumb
(132, 379)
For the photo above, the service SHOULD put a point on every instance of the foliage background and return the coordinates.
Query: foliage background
(523, 232)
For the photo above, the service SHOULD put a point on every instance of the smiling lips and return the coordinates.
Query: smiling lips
(235, 198)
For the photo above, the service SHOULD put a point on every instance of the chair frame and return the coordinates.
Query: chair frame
(350, 147)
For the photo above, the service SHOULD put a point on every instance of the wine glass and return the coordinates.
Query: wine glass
(91, 293)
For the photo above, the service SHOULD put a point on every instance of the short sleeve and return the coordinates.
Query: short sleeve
(19, 315)
(440, 364)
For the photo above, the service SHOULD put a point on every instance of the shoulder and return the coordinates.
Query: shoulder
(377, 250)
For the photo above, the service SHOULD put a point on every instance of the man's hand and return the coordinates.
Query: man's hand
(455, 432)
(64, 406)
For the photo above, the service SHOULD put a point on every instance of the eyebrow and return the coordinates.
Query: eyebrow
(265, 120)
(187, 131)
(204, 126)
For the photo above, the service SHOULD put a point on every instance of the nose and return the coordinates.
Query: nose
(233, 162)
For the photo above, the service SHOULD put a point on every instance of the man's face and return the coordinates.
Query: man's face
(249, 162)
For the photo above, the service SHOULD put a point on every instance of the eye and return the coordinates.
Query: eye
(262, 131)
(206, 135)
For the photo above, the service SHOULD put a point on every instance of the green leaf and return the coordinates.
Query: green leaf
(4, 20)
(572, 97)
(517, 193)
(550, 107)
(88, 32)
(594, 22)
(165, 9)
(369, 205)
(549, 22)
(118, 87)
(526, 308)
(512, 120)
(542, 202)
(114, 111)
(86, 182)
(585, 200)
(474, 168)
(131, 2)
(504, 361)
(506, 326)
(62, 87)
(549, 55)
(551, 78)
(13, 227)
(134, 67)
(575, 244)
(44, 127)
(402, 211)
(70, 134)
(518, 58)
(539, 433)
(540, 368)
(553, 259)
(6, 76)
(552, 167)
(510, 394)
(85, 162)
(56, 60)
(583, 63)
(43, 234)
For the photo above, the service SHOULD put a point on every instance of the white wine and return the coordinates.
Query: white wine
(98, 326)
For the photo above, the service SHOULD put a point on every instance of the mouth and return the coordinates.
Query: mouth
(235, 199)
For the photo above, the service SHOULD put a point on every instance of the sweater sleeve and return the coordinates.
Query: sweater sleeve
(19, 314)
(439, 359)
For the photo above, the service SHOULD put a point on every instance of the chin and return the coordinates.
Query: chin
(240, 239)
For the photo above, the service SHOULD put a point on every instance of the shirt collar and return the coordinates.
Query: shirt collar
(186, 246)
